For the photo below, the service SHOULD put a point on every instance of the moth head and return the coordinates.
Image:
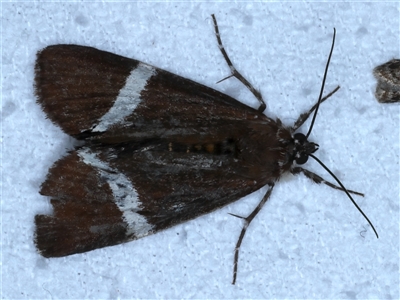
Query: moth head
(303, 148)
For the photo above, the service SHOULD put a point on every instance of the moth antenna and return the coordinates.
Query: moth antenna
(347, 193)
(323, 83)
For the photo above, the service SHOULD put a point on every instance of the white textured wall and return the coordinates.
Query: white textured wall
(309, 241)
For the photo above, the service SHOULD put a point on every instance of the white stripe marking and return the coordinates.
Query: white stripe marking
(128, 98)
(125, 194)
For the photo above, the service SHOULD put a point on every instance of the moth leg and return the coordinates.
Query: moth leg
(247, 222)
(318, 179)
(235, 73)
(304, 116)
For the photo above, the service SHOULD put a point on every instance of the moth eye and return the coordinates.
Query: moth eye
(302, 159)
(300, 138)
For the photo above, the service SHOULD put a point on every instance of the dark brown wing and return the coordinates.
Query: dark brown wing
(183, 150)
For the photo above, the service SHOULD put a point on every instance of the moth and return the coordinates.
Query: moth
(156, 149)
(388, 77)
